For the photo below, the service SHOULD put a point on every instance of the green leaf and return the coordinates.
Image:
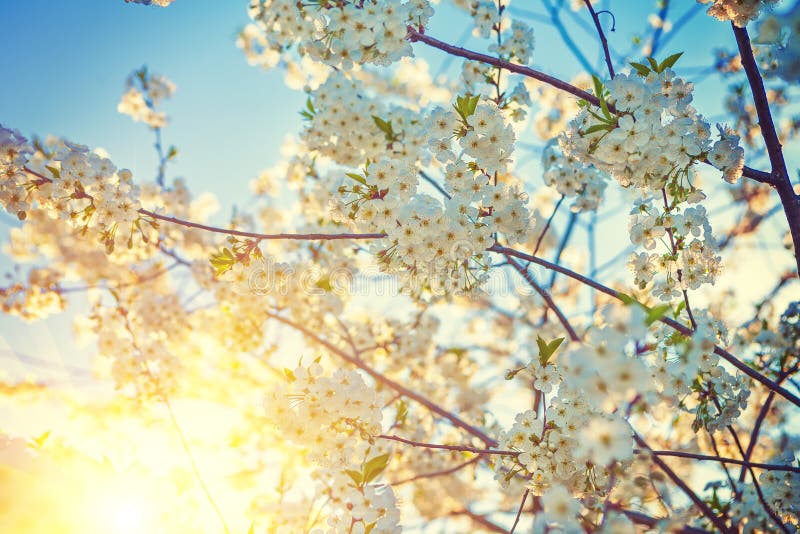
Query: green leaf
(669, 62)
(310, 106)
(172, 152)
(680, 308)
(626, 299)
(657, 312)
(547, 349)
(511, 373)
(375, 467)
(466, 105)
(402, 413)
(357, 177)
(358, 479)
(596, 128)
(472, 104)
(385, 127)
(223, 261)
(598, 91)
(653, 63)
(38, 442)
(642, 69)
(54, 171)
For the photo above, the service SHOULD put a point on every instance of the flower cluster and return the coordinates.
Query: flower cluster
(651, 141)
(779, 489)
(340, 34)
(687, 368)
(781, 37)
(14, 154)
(585, 183)
(444, 242)
(72, 184)
(145, 92)
(349, 128)
(740, 12)
(325, 413)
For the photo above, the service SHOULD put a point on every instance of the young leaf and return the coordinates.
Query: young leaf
(653, 64)
(546, 350)
(385, 127)
(223, 261)
(357, 177)
(669, 62)
(375, 467)
(595, 128)
(54, 171)
(358, 479)
(644, 70)
(598, 91)
(657, 312)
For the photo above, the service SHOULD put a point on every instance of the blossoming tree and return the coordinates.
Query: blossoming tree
(567, 405)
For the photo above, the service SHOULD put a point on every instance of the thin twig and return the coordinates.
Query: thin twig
(602, 35)
(519, 511)
(678, 481)
(780, 174)
(460, 448)
(733, 360)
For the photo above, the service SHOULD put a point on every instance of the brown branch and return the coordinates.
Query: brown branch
(480, 520)
(459, 448)
(433, 407)
(730, 358)
(519, 511)
(678, 481)
(602, 35)
(643, 519)
(780, 174)
(441, 473)
(746, 463)
(546, 297)
(415, 36)
(547, 225)
(255, 235)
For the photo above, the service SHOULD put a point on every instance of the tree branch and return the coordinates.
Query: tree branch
(414, 36)
(435, 408)
(460, 448)
(780, 174)
(603, 40)
(733, 360)
(704, 508)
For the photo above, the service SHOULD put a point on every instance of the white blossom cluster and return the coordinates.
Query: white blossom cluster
(334, 417)
(740, 12)
(145, 92)
(73, 185)
(780, 36)
(573, 179)
(688, 371)
(444, 242)
(340, 34)
(779, 489)
(342, 125)
(650, 142)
